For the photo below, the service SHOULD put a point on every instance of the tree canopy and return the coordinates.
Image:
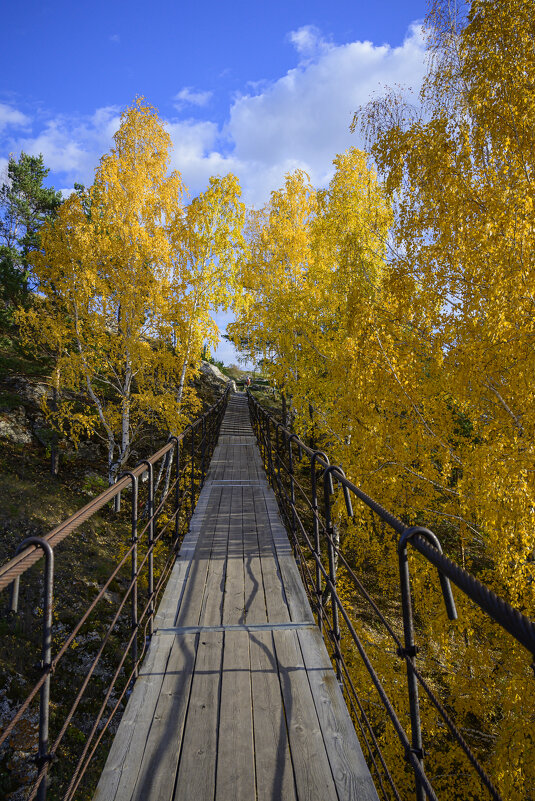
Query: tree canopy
(127, 275)
(25, 205)
(398, 314)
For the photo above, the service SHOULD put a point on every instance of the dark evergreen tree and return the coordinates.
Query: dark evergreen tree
(25, 204)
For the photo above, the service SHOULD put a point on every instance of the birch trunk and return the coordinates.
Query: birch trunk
(54, 450)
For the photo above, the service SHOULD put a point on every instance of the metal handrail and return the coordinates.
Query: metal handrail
(182, 491)
(277, 451)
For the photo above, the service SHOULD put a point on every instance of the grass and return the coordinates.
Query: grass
(83, 563)
(9, 400)
(14, 360)
(31, 504)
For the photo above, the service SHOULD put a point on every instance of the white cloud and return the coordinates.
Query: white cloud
(307, 40)
(197, 155)
(304, 117)
(187, 96)
(71, 145)
(300, 120)
(13, 117)
(115, 38)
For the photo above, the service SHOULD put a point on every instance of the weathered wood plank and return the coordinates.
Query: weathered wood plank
(234, 598)
(197, 765)
(295, 594)
(274, 772)
(191, 606)
(120, 772)
(255, 600)
(160, 759)
(276, 601)
(235, 755)
(170, 603)
(349, 769)
(172, 597)
(312, 771)
(212, 604)
(298, 604)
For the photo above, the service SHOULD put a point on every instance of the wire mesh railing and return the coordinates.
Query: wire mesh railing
(303, 482)
(65, 732)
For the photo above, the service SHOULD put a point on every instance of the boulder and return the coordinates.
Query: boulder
(29, 391)
(213, 376)
(212, 372)
(14, 426)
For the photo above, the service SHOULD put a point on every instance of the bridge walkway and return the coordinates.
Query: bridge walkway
(236, 699)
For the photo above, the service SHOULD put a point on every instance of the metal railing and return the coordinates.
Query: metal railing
(159, 514)
(319, 554)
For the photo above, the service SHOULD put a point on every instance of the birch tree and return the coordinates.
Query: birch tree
(208, 245)
(108, 256)
(129, 276)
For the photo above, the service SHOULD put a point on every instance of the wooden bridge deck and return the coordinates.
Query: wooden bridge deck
(236, 699)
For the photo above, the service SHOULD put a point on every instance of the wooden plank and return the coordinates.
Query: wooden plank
(160, 758)
(212, 604)
(276, 602)
(170, 603)
(296, 596)
(234, 598)
(349, 769)
(300, 611)
(311, 765)
(122, 765)
(235, 756)
(255, 601)
(197, 765)
(274, 772)
(171, 599)
(191, 606)
(279, 535)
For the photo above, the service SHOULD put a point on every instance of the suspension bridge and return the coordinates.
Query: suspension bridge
(237, 697)
(231, 690)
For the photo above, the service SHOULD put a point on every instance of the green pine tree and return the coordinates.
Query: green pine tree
(25, 204)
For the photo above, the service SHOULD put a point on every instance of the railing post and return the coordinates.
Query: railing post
(277, 455)
(316, 533)
(203, 450)
(211, 435)
(177, 492)
(133, 570)
(411, 649)
(192, 488)
(43, 757)
(409, 652)
(269, 454)
(327, 491)
(150, 509)
(278, 460)
(292, 482)
(259, 426)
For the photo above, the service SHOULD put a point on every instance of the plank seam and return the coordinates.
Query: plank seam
(291, 626)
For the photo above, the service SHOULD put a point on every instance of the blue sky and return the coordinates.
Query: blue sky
(254, 88)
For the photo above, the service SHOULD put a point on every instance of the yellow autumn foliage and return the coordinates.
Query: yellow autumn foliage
(129, 276)
(399, 319)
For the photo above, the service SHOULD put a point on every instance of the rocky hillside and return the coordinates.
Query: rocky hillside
(31, 504)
